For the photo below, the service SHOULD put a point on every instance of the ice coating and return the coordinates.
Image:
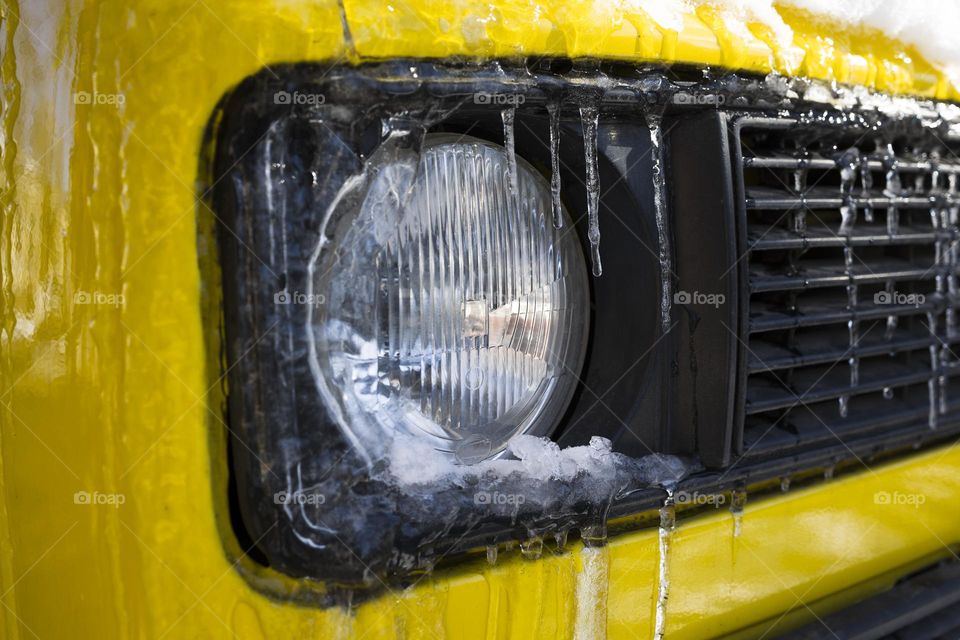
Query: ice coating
(592, 588)
(667, 524)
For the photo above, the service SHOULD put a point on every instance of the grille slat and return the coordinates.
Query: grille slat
(826, 273)
(773, 317)
(850, 267)
(774, 394)
(775, 161)
(763, 238)
(825, 198)
(771, 356)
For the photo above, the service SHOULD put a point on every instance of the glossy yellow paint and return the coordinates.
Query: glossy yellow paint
(109, 379)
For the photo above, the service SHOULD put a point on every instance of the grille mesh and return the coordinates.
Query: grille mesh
(850, 245)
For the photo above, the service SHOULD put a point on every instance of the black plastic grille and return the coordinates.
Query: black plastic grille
(850, 272)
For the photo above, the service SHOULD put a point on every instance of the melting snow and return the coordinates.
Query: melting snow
(415, 462)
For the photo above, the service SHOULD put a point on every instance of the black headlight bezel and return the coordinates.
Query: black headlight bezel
(277, 422)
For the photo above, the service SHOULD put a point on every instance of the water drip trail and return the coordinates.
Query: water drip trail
(738, 499)
(589, 116)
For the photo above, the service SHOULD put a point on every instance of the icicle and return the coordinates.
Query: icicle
(509, 117)
(554, 111)
(890, 289)
(492, 554)
(594, 535)
(667, 523)
(866, 186)
(952, 256)
(560, 537)
(847, 162)
(892, 189)
(589, 116)
(800, 187)
(591, 600)
(738, 499)
(853, 330)
(932, 420)
(532, 547)
(660, 210)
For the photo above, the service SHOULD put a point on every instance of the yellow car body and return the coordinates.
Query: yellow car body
(124, 399)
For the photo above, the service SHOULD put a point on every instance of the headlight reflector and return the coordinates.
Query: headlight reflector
(454, 310)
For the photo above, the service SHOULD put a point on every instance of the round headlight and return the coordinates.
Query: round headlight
(453, 310)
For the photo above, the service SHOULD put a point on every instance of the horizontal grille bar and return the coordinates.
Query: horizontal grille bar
(822, 163)
(824, 198)
(775, 395)
(826, 273)
(763, 238)
(774, 317)
(773, 357)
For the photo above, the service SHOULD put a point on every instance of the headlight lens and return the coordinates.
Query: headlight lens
(453, 309)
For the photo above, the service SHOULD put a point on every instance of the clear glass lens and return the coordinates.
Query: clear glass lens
(454, 309)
